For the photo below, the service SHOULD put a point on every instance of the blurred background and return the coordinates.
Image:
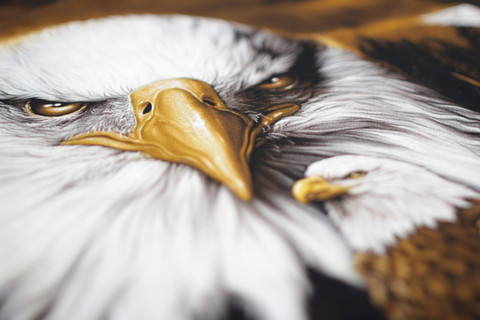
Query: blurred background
(292, 16)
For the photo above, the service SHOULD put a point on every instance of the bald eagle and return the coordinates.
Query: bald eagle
(422, 228)
(146, 164)
(375, 201)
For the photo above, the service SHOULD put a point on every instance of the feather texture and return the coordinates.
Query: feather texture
(91, 232)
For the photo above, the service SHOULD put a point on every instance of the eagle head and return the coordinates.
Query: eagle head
(146, 164)
(136, 175)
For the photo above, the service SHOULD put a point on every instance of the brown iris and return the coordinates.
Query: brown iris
(53, 109)
(280, 83)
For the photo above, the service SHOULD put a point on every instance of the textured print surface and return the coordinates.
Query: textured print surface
(89, 232)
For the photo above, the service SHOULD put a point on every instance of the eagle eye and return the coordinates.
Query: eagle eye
(357, 175)
(281, 82)
(53, 109)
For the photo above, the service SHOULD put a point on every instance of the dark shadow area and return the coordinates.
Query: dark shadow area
(451, 70)
(335, 300)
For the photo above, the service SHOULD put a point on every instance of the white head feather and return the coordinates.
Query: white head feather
(389, 201)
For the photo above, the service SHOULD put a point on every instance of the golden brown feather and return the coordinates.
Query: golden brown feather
(432, 274)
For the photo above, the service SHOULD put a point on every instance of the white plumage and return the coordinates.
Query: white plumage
(389, 200)
(88, 232)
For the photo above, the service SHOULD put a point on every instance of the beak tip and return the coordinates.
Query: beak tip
(316, 188)
(245, 197)
(299, 192)
(243, 190)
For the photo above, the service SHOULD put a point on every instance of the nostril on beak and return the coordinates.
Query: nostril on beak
(147, 108)
(208, 101)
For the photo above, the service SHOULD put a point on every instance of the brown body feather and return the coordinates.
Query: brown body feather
(432, 274)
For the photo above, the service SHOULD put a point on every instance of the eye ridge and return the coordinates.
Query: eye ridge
(45, 108)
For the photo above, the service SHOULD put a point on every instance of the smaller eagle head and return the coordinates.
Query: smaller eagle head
(375, 201)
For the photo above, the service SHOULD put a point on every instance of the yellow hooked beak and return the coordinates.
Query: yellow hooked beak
(185, 121)
(316, 188)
